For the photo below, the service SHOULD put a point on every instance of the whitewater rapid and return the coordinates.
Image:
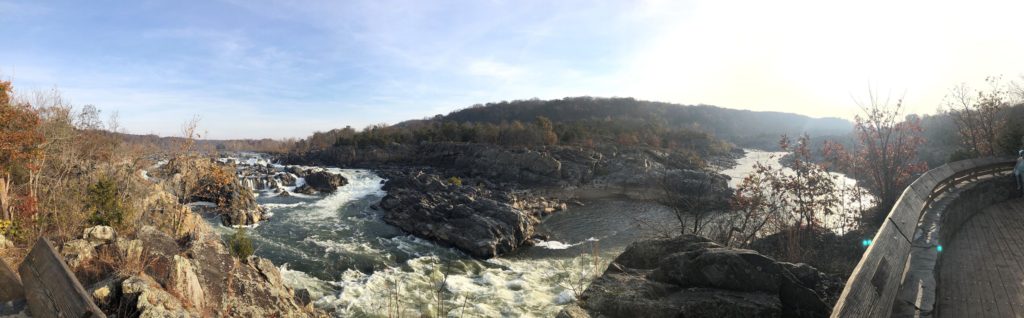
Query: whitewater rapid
(355, 265)
(339, 249)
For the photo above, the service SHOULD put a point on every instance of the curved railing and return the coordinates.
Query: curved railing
(875, 282)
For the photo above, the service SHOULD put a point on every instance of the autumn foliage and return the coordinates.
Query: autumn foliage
(798, 201)
(62, 168)
(20, 150)
(885, 155)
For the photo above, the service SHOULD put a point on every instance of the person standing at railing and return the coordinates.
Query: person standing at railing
(1018, 173)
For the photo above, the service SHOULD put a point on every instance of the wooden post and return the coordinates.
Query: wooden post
(50, 287)
(10, 285)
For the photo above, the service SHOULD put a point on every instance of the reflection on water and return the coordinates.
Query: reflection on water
(839, 222)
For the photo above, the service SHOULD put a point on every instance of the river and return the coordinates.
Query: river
(355, 265)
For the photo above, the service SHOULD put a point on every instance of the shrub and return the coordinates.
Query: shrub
(105, 204)
(455, 181)
(8, 229)
(241, 244)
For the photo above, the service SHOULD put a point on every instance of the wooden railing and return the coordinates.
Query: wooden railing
(48, 287)
(875, 282)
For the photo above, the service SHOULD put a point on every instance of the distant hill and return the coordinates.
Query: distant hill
(589, 121)
(163, 145)
(743, 127)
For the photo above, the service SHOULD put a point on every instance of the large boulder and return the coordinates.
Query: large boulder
(185, 282)
(205, 280)
(214, 263)
(690, 276)
(77, 252)
(99, 234)
(324, 181)
(164, 211)
(148, 299)
(259, 291)
(233, 200)
(721, 268)
(287, 179)
(428, 206)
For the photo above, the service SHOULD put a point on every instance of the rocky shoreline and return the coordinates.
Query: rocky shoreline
(174, 264)
(156, 275)
(691, 276)
(471, 214)
(227, 187)
(502, 192)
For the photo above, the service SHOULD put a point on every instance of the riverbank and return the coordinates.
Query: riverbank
(350, 268)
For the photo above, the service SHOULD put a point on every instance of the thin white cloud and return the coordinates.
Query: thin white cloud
(364, 62)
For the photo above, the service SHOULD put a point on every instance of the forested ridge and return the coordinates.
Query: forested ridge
(589, 121)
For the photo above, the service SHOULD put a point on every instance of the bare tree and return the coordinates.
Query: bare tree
(978, 115)
(1017, 90)
(186, 158)
(759, 201)
(692, 198)
(885, 157)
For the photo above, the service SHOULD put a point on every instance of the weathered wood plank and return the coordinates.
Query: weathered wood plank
(984, 267)
(876, 280)
(1011, 229)
(10, 284)
(50, 287)
(943, 172)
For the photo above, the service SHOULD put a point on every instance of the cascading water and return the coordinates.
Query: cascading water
(354, 264)
(338, 248)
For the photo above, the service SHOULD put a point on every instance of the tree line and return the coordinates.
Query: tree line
(588, 128)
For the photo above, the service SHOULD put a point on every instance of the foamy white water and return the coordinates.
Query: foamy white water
(338, 247)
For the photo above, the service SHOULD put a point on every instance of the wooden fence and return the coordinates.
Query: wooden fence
(875, 282)
(51, 289)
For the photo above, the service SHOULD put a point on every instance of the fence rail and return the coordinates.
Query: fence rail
(50, 287)
(875, 282)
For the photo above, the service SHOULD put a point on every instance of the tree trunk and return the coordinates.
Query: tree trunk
(5, 186)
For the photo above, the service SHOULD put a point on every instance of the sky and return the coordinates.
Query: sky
(255, 69)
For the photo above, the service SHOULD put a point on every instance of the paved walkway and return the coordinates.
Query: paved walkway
(982, 269)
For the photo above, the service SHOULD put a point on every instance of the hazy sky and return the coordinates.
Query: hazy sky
(288, 68)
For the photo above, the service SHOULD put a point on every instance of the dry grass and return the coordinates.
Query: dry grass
(110, 261)
(13, 256)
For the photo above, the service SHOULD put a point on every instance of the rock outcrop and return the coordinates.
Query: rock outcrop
(98, 234)
(234, 202)
(537, 166)
(326, 182)
(690, 276)
(464, 216)
(213, 184)
(156, 274)
(482, 217)
(164, 211)
(166, 279)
